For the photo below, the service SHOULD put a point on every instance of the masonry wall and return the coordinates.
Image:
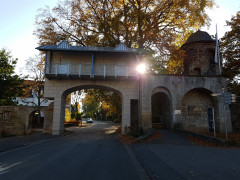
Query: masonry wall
(14, 120)
(200, 56)
(195, 106)
(59, 89)
(178, 87)
(181, 91)
(235, 115)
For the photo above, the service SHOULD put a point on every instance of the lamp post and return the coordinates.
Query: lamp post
(141, 69)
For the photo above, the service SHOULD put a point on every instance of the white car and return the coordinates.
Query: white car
(89, 120)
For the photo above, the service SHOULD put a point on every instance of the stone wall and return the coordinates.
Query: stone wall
(195, 106)
(176, 87)
(235, 115)
(58, 90)
(14, 120)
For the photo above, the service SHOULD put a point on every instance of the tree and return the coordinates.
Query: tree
(67, 115)
(230, 47)
(110, 103)
(11, 85)
(159, 26)
(76, 98)
(35, 67)
(90, 105)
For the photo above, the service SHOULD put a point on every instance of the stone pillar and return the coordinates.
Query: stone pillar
(48, 118)
(145, 103)
(57, 126)
(176, 111)
(146, 111)
(126, 118)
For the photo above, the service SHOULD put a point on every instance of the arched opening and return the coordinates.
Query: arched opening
(198, 110)
(211, 55)
(91, 103)
(161, 110)
(36, 120)
(197, 71)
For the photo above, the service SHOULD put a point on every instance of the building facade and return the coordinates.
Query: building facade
(174, 101)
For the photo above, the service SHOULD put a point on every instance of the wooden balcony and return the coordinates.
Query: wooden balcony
(87, 72)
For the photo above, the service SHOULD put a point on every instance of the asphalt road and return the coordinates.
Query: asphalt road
(95, 152)
(88, 153)
(174, 156)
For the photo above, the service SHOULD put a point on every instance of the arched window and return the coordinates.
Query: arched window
(191, 52)
(211, 56)
(197, 71)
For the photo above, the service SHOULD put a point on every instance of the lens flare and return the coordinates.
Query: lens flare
(141, 68)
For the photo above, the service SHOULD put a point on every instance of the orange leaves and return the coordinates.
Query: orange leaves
(127, 139)
(154, 136)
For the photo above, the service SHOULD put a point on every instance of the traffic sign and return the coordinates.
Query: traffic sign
(227, 97)
(233, 97)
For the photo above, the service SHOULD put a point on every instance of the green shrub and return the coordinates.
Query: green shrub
(72, 115)
(133, 131)
(78, 116)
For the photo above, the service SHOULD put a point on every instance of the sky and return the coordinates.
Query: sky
(17, 19)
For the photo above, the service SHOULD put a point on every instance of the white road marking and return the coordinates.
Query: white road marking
(3, 169)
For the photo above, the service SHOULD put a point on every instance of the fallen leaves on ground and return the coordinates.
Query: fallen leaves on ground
(203, 142)
(155, 135)
(211, 144)
(127, 139)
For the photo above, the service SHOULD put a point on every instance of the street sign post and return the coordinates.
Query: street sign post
(227, 98)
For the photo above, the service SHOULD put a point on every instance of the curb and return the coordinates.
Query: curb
(202, 136)
(147, 134)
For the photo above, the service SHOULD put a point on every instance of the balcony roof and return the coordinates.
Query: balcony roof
(64, 46)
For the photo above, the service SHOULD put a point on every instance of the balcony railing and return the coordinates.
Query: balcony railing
(86, 70)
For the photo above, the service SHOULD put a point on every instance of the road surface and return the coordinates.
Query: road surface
(88, 153)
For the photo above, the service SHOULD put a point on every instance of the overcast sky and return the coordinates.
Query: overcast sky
(17, 19)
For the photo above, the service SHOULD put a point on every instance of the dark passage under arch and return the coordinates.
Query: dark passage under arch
(161, 110)
(36, 120)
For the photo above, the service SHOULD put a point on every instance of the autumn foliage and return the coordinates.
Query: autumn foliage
(230, 46)
(159, 26)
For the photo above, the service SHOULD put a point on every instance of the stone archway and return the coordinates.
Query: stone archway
(161, 103)
(72, 89)
(197, 108)
(34, 122)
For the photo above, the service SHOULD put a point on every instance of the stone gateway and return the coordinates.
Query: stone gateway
(183, 101)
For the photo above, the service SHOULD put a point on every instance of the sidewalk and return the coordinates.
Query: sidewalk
(9, 143)
(174, 156)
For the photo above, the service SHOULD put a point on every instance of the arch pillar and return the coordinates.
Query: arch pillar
(176, 111)
(48, 118)
(145, 105)
(126, 115)
(58, 116)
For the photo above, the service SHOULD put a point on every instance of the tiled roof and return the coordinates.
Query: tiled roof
(64, 46)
